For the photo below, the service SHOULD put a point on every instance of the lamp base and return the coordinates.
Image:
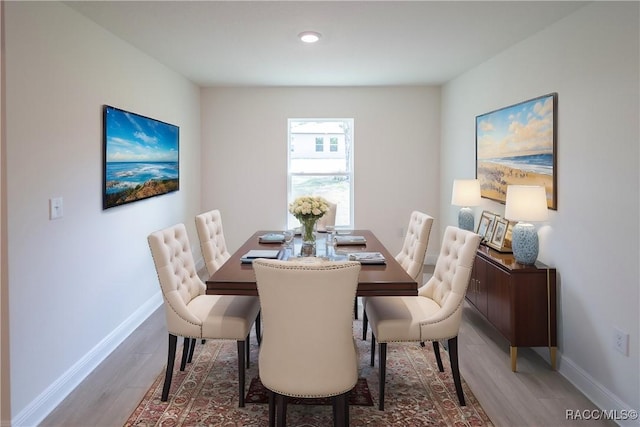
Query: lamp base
(524, 242)
(465, 219)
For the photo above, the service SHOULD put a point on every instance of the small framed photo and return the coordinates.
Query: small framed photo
(507, 236)
(499, 232)
(498, 239)
(486, 225)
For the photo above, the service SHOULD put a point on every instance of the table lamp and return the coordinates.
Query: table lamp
(525, 203)
(466, 193)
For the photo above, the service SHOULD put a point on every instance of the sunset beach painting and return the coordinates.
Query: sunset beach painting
(516, 145)
(141, 157)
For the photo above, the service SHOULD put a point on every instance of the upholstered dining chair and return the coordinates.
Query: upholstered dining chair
(307, 350)
(328, 219)
(212, 243)
(434, 315)
(190, 312)
(214, 251)
(411, 256)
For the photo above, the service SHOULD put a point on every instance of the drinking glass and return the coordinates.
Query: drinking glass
(288, 238)
(329, 249)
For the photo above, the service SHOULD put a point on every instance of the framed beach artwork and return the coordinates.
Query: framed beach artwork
(516, 145)
(141, 157)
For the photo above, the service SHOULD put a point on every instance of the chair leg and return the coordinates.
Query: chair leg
(453, 358)
(173, 340)
(382, 362)
(247, 350)
(241, 372)
(373, 349)
(272, 409)
(355, 308)
(365, 322)
(185, 353)
(192, 347)
(341, 410)
(281, 410)
(436, 351)
(258, 326)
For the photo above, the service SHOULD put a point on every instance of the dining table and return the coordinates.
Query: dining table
(236, 277)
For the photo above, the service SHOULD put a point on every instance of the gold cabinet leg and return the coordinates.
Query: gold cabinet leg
(514, 356)
(553, 356)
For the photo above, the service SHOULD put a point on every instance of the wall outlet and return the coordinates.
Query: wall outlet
(621, 341)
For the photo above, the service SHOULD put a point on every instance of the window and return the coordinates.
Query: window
(314, 171)
(333, 144)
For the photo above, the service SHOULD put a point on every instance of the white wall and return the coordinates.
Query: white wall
(396, 145)
(591, 59)
(79, 284)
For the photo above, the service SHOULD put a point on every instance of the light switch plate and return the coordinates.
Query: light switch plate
(55, 208)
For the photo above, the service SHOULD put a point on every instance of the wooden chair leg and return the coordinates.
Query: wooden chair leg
(382, 362)
(341, 410)
(192, 347)
(241, 372)
(436, 351)
(281, 410)
(365, 322)
(453, 358)
(247, 350)
(272, 409)
(373, 349)
(171, 355)
(185, 353)
(258, 326)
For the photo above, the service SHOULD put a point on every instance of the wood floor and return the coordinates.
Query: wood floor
(534, 396)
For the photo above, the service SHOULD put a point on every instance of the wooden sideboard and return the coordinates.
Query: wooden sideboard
(518, 300)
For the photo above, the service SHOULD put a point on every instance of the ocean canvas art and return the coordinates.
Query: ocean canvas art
(141, 157)
(516, 145)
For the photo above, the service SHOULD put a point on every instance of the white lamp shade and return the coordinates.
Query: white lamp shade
(526, 203)
(466, 192)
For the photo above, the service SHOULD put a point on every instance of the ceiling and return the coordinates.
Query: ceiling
(365, 43)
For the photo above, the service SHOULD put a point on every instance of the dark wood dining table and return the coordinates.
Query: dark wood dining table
(237, 278)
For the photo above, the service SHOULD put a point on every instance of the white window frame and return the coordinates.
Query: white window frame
(349, 173)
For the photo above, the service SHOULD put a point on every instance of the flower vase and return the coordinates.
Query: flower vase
(309, 237)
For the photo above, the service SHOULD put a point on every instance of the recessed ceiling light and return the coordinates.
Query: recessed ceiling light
(309, 36)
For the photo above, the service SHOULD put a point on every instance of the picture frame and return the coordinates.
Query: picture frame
(508, 237)
(517, 145)
(498, 238)
(141, 157)
(486, 225)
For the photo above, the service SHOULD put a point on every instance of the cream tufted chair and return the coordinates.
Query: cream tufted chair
(412, 254)
(190, 312)
(214, 250)
(328, 218)
(212, 243)
(414, 249)
(435, 314)
(307, 350)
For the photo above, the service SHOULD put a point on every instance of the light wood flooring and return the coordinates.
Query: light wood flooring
(534, 396)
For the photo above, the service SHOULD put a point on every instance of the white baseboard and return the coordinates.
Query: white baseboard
(603, 398)
(53, 395)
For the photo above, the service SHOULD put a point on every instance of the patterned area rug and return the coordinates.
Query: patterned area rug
(205, 394)
(359, 395)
